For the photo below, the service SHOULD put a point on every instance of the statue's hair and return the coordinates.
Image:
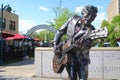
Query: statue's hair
(90, 8)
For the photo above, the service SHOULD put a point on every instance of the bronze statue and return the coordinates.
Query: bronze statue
(74, 53)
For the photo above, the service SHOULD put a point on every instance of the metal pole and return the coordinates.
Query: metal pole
(1, 40)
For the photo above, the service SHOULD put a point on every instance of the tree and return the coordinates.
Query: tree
(116, 25)
(59, 21)
(62, 15)
(34, 34)
(103, 24)
(113, 31)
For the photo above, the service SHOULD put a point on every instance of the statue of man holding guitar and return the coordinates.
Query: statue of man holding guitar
(74, 53)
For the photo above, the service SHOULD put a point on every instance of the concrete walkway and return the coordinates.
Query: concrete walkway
(23, 70)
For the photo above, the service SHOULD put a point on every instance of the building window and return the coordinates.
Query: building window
(12, 25)
(4, 22)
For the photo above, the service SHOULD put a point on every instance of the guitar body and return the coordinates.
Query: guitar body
(60, 60)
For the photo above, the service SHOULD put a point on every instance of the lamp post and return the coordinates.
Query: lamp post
(1, 25)
(1, 39)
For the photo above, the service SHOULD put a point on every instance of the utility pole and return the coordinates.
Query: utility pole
(1, 40)
(1, 29)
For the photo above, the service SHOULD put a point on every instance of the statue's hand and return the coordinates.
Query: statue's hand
(54, 47)
(58, 48)
(88, 43)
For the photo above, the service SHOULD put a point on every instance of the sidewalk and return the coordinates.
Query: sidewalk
(23, 70)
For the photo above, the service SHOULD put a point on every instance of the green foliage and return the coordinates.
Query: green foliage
(101, 41)
(62, 15)
(34, 34)
(116, 23)
(42, 34)
(113, 30)
(104, 23)
(46, 35)
(116, 20)
(59, 21)
(113, 41)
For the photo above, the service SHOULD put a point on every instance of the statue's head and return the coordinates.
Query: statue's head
(89, 13)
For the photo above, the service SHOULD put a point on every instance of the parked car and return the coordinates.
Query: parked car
(107, 44)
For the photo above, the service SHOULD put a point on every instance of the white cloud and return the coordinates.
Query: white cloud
(43, 8)
(25, 25)
(98, 20)
(100, 7)
(78, 9)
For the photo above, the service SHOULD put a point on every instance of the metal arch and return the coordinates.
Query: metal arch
(42, 26)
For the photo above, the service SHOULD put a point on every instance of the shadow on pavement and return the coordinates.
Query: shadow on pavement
(2, 70)
(9, 78)
(23, 62)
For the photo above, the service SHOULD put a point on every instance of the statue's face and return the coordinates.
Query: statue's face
(89, 16)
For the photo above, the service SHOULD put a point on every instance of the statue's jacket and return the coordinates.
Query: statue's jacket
(70, 28)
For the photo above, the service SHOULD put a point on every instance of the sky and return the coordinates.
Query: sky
(37, 12)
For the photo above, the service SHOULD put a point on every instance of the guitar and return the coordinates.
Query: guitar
(60, 60)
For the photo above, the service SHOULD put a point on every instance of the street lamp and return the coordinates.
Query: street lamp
(1, 40)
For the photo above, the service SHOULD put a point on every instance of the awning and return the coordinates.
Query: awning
(16, 37)
(19, 36)
(36, 39)
(7, 34)
(9, 38)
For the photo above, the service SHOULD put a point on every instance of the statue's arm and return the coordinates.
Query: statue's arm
(61, 32)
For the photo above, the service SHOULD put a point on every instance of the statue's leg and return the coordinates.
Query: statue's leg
(79, 70)
(71, 69)
(83, 72)
(86, 72)
(82, 67)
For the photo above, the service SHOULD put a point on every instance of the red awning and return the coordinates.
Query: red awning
(36, 39)
(7, 34)
(19, 36)
(9, 38)
(16, 37)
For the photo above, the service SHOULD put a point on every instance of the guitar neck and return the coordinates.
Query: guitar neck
(99, 33)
